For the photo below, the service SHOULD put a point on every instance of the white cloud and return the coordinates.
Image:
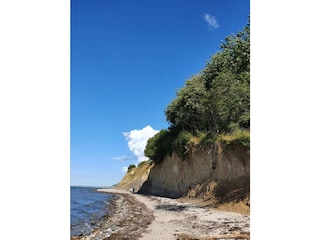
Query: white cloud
(211, 20)
(123, 158)
(137, 141)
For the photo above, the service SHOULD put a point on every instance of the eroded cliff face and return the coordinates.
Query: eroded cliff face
(135, 178)
(175, 177)
(206, 173)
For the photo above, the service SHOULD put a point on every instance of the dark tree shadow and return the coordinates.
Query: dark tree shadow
(171, 207)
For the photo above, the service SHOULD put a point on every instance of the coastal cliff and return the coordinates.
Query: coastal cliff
(135, 177)
(205, 152)
(218, 174)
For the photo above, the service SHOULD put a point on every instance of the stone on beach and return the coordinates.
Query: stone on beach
(150, 218)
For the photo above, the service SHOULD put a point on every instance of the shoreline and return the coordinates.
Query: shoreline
(124, 222)
(144, 217)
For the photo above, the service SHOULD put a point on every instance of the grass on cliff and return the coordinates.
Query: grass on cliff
(238, 136)
(183, 143)
(143, 163)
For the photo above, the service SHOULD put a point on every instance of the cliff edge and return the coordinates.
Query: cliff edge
(214, 176)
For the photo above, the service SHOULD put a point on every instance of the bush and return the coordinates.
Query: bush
(159, 146)
(208, 139)
(130, 167)
(182, 144)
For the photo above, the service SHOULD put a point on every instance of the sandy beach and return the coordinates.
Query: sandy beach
(157, 218)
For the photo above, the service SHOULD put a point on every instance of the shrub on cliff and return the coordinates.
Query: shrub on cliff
(182, 144)
(130, 167)
(159, 146)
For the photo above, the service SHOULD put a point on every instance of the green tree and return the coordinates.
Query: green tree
(187, 111)
(217, 99)
(227, 80)
(214, 101)
(159, 146)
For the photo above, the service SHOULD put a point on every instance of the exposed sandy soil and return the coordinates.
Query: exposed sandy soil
(151, 218)
(225, 195)
(235, 206)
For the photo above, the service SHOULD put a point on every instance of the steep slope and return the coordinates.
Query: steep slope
(135, 177)
(175, 178)
(215, 176)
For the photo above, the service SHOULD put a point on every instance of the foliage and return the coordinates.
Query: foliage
(214, 102)
(218, 98)
(240, 136)
(184, 112)
(208, 139)
(159, 146)
(130, 167)
(230, 98)
(182, 143)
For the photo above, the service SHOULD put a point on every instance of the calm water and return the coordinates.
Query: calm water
(88, 207)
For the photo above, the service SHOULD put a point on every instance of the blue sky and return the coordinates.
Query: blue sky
(128, 59)
(35, 108)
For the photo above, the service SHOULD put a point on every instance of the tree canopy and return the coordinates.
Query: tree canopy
(216, 100)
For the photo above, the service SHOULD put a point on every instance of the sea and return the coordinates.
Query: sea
(88, 209)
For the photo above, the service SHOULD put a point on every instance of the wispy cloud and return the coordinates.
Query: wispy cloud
(211, 20)
(123, 158)
(137, 141)
(124, 169)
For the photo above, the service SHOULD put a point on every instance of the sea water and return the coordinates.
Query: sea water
(88, 208)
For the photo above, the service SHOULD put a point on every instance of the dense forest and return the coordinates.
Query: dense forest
(213, 104)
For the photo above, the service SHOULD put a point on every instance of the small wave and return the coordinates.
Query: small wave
(88, 209)
(74, 202)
